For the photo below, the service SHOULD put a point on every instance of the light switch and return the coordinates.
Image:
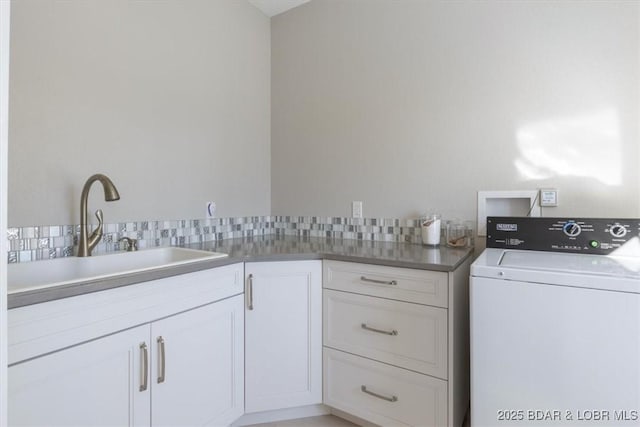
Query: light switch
(356, 209)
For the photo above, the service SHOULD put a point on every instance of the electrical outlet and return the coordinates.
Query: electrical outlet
(356, 209)
(211, 209)
(548, 197)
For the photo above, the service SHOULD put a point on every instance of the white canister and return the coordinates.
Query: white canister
(430, 225)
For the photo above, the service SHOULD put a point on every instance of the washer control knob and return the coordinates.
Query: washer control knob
(571, 229)
(618, 230)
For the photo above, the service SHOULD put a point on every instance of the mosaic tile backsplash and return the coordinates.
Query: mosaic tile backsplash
(46, 242)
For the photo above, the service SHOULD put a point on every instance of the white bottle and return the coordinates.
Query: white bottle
(431, 229)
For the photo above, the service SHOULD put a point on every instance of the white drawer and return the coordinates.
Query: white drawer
(420, 400)
(408, 335)
(403, 284)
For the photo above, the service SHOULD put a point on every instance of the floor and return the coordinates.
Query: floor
(320, 421)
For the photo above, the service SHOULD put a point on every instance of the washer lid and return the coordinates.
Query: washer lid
(581, 270)
(572, 263)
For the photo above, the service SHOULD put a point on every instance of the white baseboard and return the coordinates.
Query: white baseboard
(281, 415)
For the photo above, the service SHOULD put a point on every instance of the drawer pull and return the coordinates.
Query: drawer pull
(161, 357)
(144, 368)
(380, 282)
(250, 292)
(379, 396)
(380, 331)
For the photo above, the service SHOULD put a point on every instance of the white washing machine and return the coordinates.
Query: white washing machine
(555, 323)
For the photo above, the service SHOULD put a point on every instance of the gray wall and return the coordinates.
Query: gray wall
(405, 105)
(171, 99)
(408, 105)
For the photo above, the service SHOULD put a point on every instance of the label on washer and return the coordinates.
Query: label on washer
(506, 227)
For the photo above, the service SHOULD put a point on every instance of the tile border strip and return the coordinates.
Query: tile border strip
(26, 244)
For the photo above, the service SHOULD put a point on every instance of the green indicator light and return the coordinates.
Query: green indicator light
(594, 243)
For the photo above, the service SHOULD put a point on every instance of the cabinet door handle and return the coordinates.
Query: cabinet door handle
(380, 331)
(250, 292)
(144, 363)
(161, 360)
(379, 396)
(380, 282)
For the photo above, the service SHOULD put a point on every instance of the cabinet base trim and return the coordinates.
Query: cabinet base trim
(281, 415)
(352, 418)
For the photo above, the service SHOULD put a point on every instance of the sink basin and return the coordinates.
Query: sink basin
(62, 271)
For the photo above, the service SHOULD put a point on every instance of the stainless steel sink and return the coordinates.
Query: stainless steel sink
(62, 271)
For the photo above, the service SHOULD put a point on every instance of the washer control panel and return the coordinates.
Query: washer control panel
(599, 236)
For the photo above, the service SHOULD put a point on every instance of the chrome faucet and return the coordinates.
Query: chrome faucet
(87, 243)
(130, 245)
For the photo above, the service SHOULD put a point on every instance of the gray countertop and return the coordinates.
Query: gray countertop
(285, 248)
(271, 248)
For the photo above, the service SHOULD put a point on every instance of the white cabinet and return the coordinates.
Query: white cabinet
(396, 346)
(283, 335)
(197, 366)
(181, 369)
(97, 383)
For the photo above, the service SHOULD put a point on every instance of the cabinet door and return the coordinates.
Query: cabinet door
(197, 369)
(283, 363)
(96, 383)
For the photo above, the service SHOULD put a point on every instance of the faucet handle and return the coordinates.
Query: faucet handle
(95, 237)
(130, 245)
